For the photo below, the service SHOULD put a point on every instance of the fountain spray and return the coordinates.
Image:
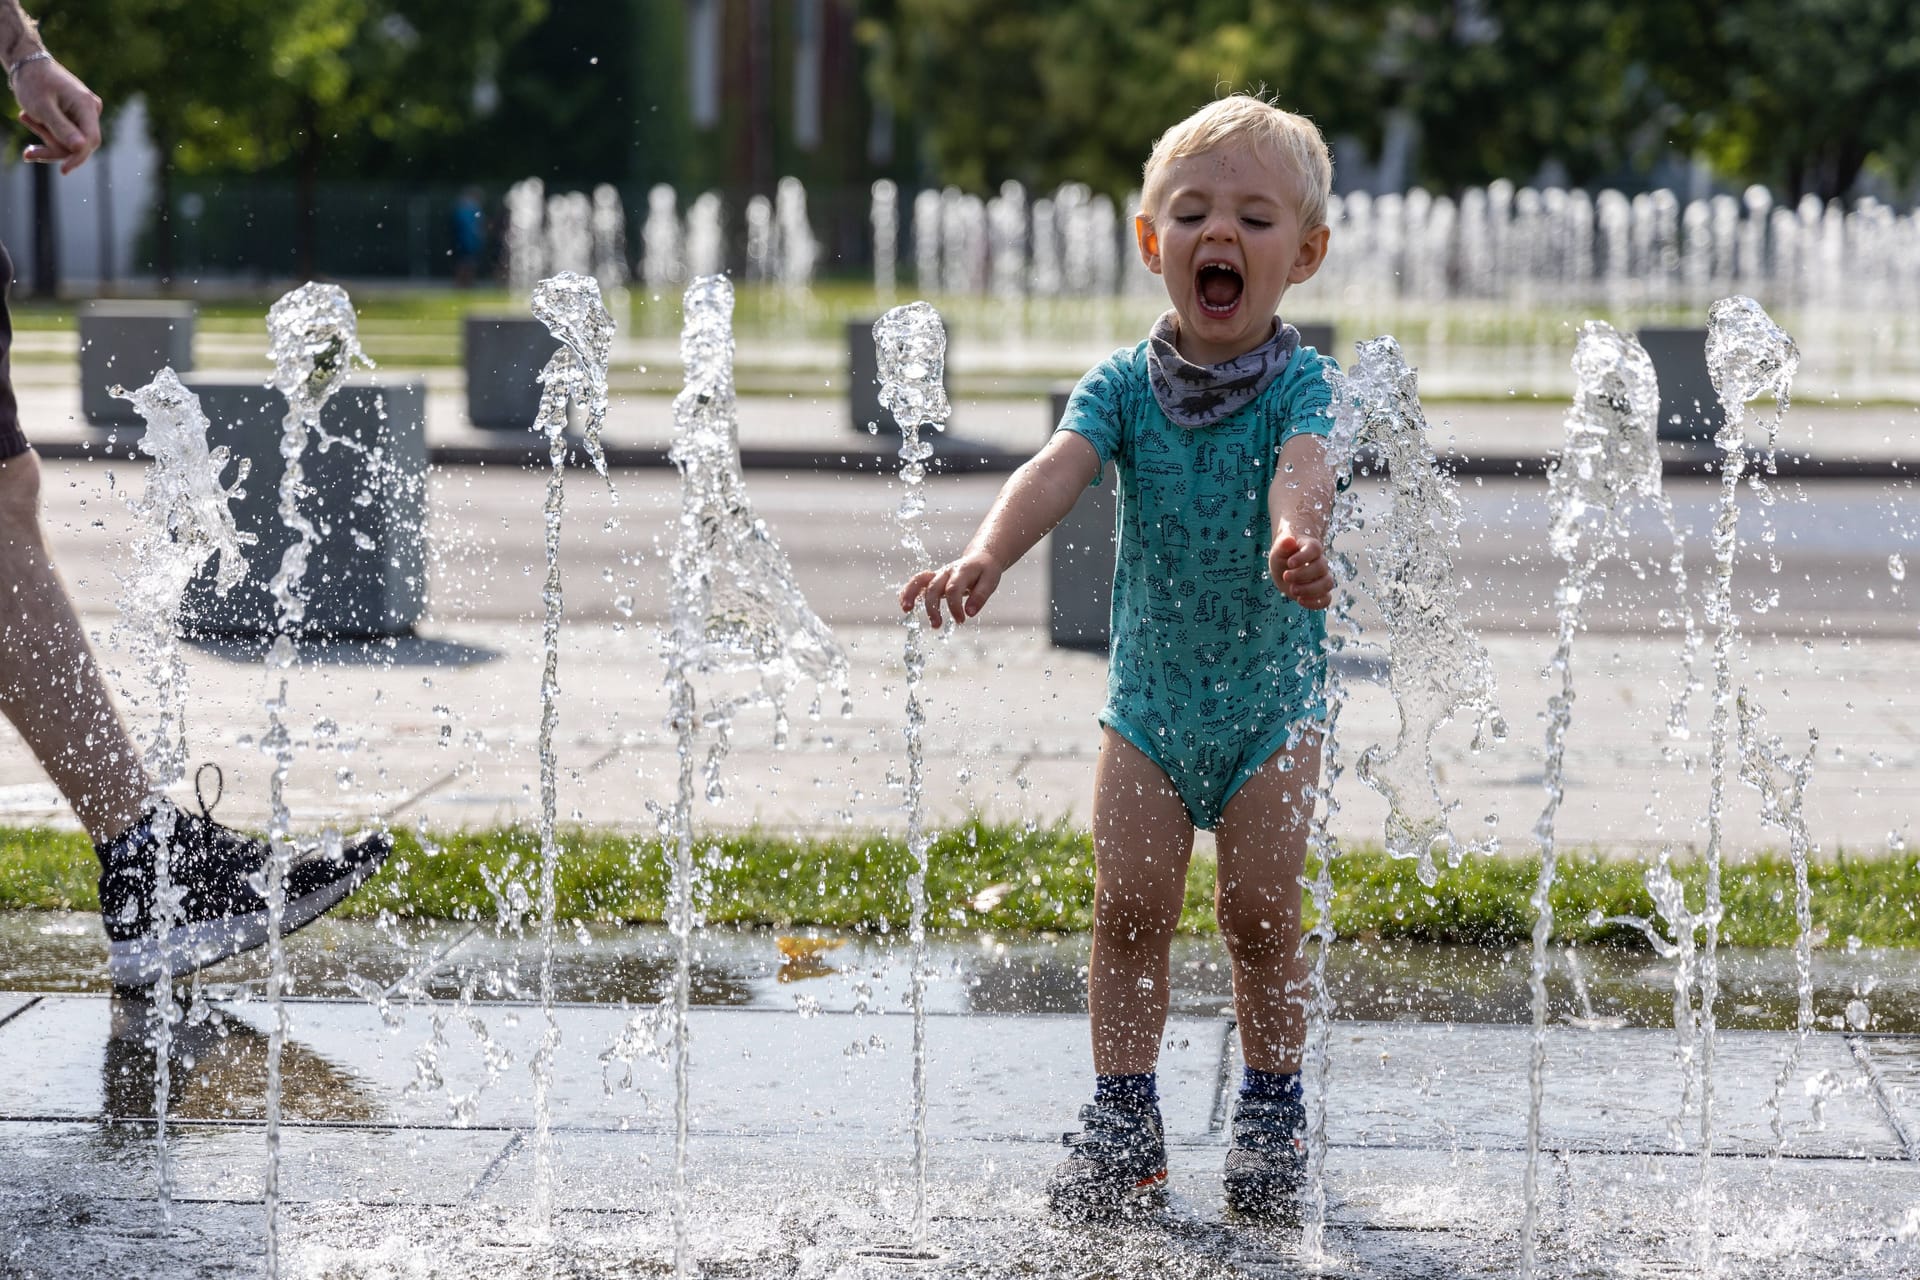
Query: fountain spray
(1439, 668)
(569, 305)
(182, 521)
(1344, 522)
(736, 608)
(1748, 356)
(912, 346)
(1781, 778)
(313, 342)
(1611, 458)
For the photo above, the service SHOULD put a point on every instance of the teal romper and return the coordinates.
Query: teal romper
(1212, 667)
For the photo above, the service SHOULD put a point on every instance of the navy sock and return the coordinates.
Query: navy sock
(1269, 1086)
(1133, 1092)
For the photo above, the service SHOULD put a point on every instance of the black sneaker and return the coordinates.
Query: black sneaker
(1117, 1162)
(220, 875)
(1268, 1159)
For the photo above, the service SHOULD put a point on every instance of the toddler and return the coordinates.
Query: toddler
(1215, 426)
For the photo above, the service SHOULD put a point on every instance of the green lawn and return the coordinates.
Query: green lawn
(1008, 879)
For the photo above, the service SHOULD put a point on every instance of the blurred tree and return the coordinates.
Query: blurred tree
(1801, 94)
(1079, 91)
(236, 86)
(1501, 87)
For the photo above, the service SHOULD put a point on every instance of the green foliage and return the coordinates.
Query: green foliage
(1007, 879)
(1058, 92)
(1800, 93)
(1797, 93)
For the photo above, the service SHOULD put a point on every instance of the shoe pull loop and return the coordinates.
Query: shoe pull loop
(219, 789)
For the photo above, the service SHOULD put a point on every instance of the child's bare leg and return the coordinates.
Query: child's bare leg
(1142, 840)
(1262, 840)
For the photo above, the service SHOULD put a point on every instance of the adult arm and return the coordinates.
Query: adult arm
(1035, 498)
(53, 101)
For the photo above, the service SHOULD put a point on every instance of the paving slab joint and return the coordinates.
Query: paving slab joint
(17, 1012)
(1884, 1100)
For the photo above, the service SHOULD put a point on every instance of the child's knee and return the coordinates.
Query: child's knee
(1129, 920)
(1257, 924)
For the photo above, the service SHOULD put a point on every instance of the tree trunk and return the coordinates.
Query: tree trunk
(307, 233)
(163, 209)
(46, 248)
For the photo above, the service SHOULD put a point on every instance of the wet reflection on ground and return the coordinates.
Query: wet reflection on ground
(766, 969)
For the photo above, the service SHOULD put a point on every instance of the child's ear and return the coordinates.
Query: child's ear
(1149, 242)
(1313, 252)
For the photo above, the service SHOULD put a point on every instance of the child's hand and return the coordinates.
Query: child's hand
(963, 585)
(1300, 569)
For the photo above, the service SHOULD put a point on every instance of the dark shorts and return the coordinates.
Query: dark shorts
(12, 442)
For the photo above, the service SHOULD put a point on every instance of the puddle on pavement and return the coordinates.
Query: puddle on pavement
(831, 971)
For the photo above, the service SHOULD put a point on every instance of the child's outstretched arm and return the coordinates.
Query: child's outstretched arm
(1301, 498)
(1035, 498)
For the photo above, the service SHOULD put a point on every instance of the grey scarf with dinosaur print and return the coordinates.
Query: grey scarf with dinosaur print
(1199, 395)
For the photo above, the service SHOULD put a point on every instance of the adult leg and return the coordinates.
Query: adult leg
(1262, 841)
(51, 687)
(1142, 841)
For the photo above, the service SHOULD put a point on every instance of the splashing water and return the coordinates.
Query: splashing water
(1344, 521)
(313, 341)
(912, 346)
(736, 609)
(569, 305)
(1439, 667)
(182, 520)
(1748, 356)
(1610, 459)
(1781, 778)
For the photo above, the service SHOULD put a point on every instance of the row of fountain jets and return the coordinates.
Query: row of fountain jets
(1494, 242)
(741, 635)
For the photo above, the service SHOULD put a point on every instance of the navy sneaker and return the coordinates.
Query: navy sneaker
(1116, 1162)
(1267, 1162)
(220, 875)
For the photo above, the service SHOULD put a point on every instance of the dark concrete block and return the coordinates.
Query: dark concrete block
(126, 343)
(863, 384)
(1690, 410)
(503, 356)
(367, 575)
(1318, 336)
(1080, 564)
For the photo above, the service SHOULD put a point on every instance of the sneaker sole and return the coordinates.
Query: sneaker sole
(140, 962)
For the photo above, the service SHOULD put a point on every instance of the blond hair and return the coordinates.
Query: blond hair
(1244, 116)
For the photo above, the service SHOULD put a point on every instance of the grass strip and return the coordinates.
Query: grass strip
(1006, 878)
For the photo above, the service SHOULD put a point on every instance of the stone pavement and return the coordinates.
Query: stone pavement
(440, 728)
(816, 430)
(409, 1148)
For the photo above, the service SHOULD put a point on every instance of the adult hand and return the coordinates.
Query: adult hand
(1300, 569)
(62, 110)
(963, 586)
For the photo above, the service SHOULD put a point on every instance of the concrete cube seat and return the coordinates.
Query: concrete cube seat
(367, 573)
(125, 344)
(503, 356)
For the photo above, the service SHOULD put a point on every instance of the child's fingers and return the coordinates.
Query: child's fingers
(956, 593)
(1305, 552)
(910, 594)
(936, 591)
(983, 587)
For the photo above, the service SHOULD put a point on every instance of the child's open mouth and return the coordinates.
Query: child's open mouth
(1218, 287)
